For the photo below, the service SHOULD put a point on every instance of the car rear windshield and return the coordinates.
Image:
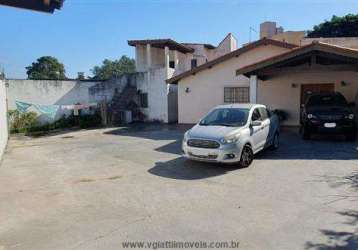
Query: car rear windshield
(327, 100)
(233, 117)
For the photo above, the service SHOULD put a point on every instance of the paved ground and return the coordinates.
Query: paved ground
(95, 189)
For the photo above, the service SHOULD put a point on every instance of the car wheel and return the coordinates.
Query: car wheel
(275, 142)
(306, 135)
(247, 156)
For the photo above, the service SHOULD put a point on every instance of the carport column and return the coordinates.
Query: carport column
(136, 56)
(176, 60)
(253, 88)
(166, 55)
(149, 56)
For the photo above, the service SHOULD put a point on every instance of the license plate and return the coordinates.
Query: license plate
(330, 125)
(201, 152)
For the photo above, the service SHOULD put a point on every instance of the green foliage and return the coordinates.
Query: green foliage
(28, 122)
(46, 67)
(22, 123)
(346, 26)
(90, 121)
(111, 69)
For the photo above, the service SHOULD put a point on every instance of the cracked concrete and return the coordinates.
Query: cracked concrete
(95, 189)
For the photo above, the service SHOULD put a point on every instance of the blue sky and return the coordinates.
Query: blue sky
(84, 32)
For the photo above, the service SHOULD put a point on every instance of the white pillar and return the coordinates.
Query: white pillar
(176, 60)
(166, 55)
(137, 57)
(149, 56)
(253, 88)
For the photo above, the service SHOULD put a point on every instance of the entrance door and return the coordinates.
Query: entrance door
(309, 89)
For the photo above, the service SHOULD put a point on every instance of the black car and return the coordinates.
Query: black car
(328, 112)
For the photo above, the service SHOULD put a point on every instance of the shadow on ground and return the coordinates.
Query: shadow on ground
(163, 132)
(320, 147)
(328, 147)
(183, 169)
(341, 239)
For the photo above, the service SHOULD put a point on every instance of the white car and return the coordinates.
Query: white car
(232, 134)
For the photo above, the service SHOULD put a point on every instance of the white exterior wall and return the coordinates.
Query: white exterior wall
(3, 119)
(141, 58)
(278, 92)
(207, 87)
(157, 91)
(48, 92)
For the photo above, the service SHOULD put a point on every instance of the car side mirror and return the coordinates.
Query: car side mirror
(256, 123)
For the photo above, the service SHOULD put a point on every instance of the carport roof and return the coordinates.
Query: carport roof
(37, 5)
(235, 53)
(333, 52)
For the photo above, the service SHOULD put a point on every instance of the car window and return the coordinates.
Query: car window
(263, 113)
(326, 100)
(226, 117)
(256, 115)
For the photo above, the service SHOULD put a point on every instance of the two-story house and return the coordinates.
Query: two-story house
(161, 59)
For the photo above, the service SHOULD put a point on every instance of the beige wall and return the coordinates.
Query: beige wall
(207, 86)
(350, 42)
(294, 37)
(278, 92)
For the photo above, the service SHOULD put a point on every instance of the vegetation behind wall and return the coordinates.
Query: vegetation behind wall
(28, 123)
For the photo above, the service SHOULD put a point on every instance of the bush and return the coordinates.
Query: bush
(22, 123)
(90, 121)
(28, 122)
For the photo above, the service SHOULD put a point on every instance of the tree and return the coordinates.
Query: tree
(110, 69)
(346, 26)
(46, 67)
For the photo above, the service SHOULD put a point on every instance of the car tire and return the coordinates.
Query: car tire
(351, 136)
(247, 156)
(275, 142)
(306, 134)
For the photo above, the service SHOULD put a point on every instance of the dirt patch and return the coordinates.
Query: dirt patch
(87, 180)
(68, 137)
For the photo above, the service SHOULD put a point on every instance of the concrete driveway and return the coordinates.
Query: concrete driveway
(99, 188)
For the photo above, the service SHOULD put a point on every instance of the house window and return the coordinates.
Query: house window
(236, 95)
(194, 63)
(144, 100)
(171, 64)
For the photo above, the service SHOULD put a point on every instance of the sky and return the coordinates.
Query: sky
(85, 32)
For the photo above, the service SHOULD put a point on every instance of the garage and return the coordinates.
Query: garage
(284, 81)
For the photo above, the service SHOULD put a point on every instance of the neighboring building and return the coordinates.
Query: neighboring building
(272, 72)
(161, 59)
(269, 30)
